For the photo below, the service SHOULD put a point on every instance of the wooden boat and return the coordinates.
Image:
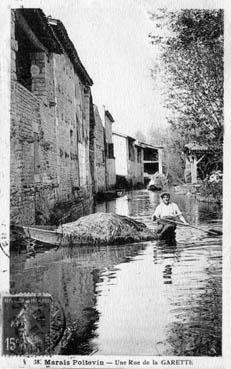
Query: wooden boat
(94, 229)
(169, 232)
(152, 187)
(45, 235)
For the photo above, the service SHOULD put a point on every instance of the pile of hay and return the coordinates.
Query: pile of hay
(105, 229)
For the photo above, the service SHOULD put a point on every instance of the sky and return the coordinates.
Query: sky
(111, 38)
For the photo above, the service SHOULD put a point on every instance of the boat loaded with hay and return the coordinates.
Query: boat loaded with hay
(100, 229)
(93, 229)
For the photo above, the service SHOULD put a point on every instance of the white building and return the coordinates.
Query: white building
(128, 158)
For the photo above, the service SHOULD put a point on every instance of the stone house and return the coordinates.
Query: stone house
(109, 151)
(100, 160)
(128, 159)
(52, 120)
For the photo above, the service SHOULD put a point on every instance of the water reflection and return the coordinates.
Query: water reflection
(196, 303)
(71, 276)
(150, 298)
(169, 255)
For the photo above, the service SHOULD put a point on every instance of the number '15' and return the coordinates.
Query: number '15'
(10, 343)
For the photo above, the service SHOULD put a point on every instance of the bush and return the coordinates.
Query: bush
(212, 186)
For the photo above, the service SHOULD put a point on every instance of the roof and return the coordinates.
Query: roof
(125, 136)
(37, 22)
(131, 138)
(53, 35)
(68, 45)
(193, 146)
(119, 134)
(110, 117)
(137, 142)
(148, 146)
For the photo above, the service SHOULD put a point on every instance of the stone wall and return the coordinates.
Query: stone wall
(50, 128)
(33, 157)
(66, 126)
(110, 158)
(100, 180)
(24, 113)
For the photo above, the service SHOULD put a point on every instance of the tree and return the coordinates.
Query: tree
(173, 160)
(192, 70)
(139, 135)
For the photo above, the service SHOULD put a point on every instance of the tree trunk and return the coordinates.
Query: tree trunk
(194, 170)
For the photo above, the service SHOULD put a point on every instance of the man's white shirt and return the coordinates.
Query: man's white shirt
(170, 210)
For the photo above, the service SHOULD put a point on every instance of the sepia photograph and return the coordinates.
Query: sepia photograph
(114, 238)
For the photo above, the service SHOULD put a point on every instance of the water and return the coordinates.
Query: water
(138, 299)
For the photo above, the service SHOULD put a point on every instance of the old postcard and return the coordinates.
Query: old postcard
(114, 166)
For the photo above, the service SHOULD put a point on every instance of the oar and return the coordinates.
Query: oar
(210, 231)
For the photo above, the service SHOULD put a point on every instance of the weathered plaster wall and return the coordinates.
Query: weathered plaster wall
(100, 180)
(139, 167)
(121, 155)
(135, 168)
(49, 137)
(129, 167)
(110, 159)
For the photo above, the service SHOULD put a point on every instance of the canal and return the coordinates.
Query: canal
(138, 299)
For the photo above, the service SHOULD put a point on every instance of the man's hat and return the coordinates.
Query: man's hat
(165, 194)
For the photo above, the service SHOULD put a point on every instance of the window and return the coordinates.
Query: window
(71, 137)
(110, 150)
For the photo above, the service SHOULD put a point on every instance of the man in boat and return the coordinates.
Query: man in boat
(165, 214)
